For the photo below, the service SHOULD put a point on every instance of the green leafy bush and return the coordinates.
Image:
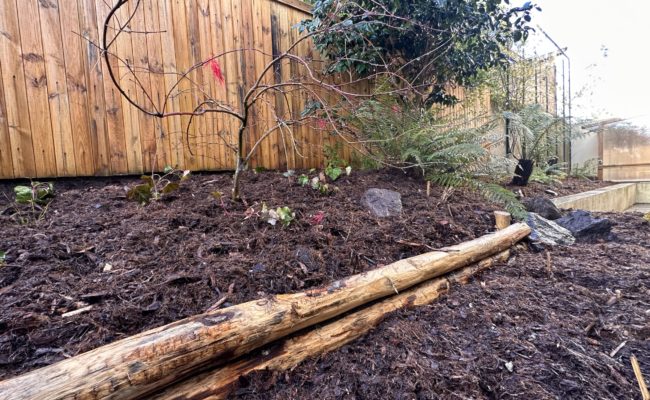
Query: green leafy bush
(429, 43)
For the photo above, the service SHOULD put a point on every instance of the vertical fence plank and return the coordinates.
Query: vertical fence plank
(112, 103)
(209, 134)
(57, 90)
(261, 57)
(230, 67)
(157, 81)
(142, 87)
(224, 123)
(247, 68)
(172, 100)
(75, 72)
(183, 63)
(95, 88)
(6, 165)
(278, 159)
(16, 107)
(125, 68)
(36, 83)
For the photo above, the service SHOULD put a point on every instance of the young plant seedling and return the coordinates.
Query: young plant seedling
(155, 186)
(284, 215)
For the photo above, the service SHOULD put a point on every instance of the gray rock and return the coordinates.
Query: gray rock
(543, 207)
(382, 202)
(584, 226)
(547, 232)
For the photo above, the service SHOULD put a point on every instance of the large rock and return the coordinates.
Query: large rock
(548, 233)
(542, 206)
(382, 202)
(584, 226)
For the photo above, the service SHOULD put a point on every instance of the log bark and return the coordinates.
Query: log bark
(218, 384)
(144, 363)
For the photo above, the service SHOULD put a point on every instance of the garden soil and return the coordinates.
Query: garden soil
(544, 326)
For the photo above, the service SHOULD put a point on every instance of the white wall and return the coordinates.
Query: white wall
(584, 153)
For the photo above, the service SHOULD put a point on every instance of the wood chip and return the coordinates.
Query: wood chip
(639, 377)
(617, 349)
(76, 312)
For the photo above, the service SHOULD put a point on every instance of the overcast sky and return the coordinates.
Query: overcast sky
(608, 43)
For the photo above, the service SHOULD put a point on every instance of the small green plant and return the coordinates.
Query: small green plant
(335, 166)
(37, 193)
(36, 197)
(284, 215)
(316, 183)
(3, 256)
(588, 169)
(548, 174)
(303, 180)
(155, 186)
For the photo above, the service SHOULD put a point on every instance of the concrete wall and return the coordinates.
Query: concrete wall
(643, 192)
(611, 198)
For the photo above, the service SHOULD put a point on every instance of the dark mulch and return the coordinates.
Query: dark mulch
(176, 257)
(556, 323)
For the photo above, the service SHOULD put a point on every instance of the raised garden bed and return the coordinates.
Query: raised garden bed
(177, 257)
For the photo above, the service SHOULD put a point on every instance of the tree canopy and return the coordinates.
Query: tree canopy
(428, 43)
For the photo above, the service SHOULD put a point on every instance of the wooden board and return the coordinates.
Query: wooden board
(75, 73)
(36, 84)
(13, 114)
(6, 166)
(112, 105)
(57, 90)
(95, 88)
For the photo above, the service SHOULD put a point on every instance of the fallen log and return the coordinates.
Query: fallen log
(218, 384)
(144, 363)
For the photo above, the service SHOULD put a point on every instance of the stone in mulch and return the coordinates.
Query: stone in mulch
(382, 202)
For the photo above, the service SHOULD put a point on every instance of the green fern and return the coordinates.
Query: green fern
(448, 155)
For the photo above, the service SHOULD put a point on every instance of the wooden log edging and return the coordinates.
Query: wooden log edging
(145, 363)
(219, 383)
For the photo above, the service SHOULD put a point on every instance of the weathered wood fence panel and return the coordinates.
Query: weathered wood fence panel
(624, 153)
(60, 115)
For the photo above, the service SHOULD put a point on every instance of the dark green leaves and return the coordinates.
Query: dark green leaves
(424, 41)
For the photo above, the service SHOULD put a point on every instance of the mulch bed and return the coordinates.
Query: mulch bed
(556, 323)
(178, 256)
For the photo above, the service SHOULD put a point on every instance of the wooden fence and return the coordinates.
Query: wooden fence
(624, 153)
(60, 115)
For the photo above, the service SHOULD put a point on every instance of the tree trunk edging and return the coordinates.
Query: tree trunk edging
(142, 364)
